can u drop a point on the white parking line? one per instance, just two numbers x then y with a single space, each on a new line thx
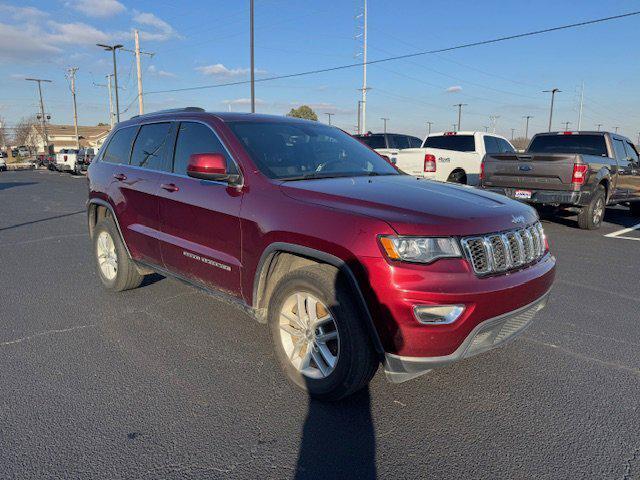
620 233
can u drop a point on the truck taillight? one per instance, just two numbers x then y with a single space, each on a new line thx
482 170
579 173
65 158
429 163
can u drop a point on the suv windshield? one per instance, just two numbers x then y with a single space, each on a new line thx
457 143
578 144
296 150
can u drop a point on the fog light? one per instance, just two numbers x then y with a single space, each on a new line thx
437 314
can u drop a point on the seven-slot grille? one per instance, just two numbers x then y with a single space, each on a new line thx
500 252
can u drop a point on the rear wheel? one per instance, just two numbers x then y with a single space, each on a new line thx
590 216
115 269
318 335
635 208
457 176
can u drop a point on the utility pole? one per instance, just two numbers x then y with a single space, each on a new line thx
526 128
429 128
615 129
108 86
566 126
455 127
580 111
113 48
460 105
494 122
385 124
553 92
42 117
638 142
360 132
599 125
139 68
513 130
251 52
364 70
72 76
329 115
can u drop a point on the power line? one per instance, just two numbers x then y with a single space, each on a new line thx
409 55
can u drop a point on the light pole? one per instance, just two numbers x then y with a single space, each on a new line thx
385 124
72 76
329 115
42 117
566 126
460 105
553 92
615 129
526 128
486 129
253 70
455 127
513 130
599 125
429 128
112 49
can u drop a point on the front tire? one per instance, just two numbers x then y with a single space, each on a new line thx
318 334
115 269
590 216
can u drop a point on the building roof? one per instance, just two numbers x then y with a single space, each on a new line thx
90 133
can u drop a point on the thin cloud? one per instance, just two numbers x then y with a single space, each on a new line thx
219 70
160 30
156 72
97 8
454 89
243 101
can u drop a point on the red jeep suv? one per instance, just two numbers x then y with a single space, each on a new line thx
350 262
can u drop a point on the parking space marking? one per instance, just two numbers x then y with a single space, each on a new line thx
620 233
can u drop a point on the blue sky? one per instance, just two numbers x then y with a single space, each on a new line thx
206 42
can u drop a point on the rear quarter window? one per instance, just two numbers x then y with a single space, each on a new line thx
119 148
456 143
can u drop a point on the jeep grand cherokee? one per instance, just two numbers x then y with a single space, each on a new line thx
349 262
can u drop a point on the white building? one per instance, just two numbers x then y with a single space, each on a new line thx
63 136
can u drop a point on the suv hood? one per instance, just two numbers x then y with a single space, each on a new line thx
416 206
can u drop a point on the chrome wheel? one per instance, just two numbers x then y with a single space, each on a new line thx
309 335
598 211
107 258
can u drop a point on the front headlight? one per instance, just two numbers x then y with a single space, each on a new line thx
419 249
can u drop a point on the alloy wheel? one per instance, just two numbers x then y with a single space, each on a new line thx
598 211
107 257
309 335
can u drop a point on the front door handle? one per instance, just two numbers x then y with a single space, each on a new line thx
169 187
120 177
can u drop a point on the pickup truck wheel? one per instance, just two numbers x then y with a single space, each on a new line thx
457 176
635 209
318 335
115 269
590 216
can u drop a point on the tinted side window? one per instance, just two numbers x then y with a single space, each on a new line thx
457 143
631 152
414 142
373 141
618 146
197 138
491 145
400 141
119 148
148 150
504 146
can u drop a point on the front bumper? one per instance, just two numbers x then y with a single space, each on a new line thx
559 197
485 336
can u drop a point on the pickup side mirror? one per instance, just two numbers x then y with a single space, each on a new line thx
210 166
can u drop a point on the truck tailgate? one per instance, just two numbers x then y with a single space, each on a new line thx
536 172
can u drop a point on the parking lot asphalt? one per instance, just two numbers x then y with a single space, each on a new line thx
167 382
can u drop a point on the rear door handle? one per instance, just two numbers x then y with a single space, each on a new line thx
169 187
120 177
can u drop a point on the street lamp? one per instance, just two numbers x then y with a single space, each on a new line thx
553 92
113 48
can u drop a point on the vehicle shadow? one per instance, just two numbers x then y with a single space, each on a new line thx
617 216
151 279
7 185
338 440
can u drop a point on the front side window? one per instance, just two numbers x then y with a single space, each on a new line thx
119 148
290 150
504 146
197 138
456 143
415 142
618 147
631 152
400 141
148 150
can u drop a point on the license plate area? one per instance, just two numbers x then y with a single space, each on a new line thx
522 194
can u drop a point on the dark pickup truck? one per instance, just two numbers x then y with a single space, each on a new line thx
584 171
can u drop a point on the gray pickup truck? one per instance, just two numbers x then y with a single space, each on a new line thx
583 171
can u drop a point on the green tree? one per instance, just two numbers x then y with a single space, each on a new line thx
303 111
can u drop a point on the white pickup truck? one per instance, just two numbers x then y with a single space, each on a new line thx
452 156
66 160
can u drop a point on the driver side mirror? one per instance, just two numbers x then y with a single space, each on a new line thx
210 166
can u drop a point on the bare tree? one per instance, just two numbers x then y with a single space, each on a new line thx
22 130
3 134
520 143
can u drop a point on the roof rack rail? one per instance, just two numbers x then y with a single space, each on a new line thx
172 110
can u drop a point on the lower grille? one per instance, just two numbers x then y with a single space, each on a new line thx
503 251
